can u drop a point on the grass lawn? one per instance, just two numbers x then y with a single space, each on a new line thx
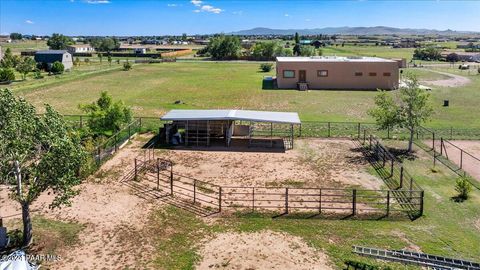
26 45
152 90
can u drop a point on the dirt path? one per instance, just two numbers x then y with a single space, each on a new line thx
260 250
453 81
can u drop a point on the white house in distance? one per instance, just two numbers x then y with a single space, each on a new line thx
80 48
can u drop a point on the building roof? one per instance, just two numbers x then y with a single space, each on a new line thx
244 115
333 59
51 52
80 46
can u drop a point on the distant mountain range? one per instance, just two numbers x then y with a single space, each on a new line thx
375 30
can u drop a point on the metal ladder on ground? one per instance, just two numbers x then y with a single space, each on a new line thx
422 259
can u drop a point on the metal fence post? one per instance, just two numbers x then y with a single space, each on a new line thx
135 160
388 203
158 174
300 131
421 202
329 129
401 177
253 199
354 202
171 180
220 199
194 191
286 200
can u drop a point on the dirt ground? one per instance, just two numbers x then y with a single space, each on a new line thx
453 81
312 163
470 163
113 213
260 250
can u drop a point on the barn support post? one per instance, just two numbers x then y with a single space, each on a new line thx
354 202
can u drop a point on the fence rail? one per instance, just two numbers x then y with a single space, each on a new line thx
159 174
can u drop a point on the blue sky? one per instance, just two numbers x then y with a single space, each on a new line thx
160 17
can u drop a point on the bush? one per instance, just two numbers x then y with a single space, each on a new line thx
266 67
57 68
38 74
127 66
463 187
7 75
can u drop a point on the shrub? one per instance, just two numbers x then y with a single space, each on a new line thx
266 67
127 66
463 187
57 68
7 75
38 74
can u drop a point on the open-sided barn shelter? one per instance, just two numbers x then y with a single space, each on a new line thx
214 127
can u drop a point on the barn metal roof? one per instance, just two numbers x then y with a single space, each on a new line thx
244 115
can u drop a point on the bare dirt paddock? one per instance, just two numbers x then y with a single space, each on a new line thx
319 163
468 159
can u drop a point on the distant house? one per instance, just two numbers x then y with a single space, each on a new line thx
331 72
5 38
80 48
48 57
140 50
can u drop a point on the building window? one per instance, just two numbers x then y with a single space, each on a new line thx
373 74
288 74
387 74
358 74
322 73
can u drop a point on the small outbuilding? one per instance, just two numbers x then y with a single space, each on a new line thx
80 48
224 127
48 57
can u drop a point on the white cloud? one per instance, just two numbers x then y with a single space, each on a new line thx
29 22
211 9
196 2
171 5
98 1
197 10
286 15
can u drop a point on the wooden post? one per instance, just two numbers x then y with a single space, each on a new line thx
401 177
433 142
388 132
194 191
171 180
421 202
388 203
320 201
220 199
329 129
461 158
135 160
364 135
354 202
300 131
253 199
286 200
358 130
441 145
158 174
391 168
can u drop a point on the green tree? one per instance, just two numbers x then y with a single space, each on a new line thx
57 68
39 154
59 42
409 110
106 44
427 54
109 59
9 60
307 51
224 47
264 50
26 66
107 116
127 66
100 56
297 38
7 75
16 36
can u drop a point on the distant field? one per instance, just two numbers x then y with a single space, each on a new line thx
377 51
152 90
17 47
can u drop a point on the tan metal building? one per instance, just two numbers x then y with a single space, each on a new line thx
333 72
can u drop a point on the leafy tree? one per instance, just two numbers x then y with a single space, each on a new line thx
109 59
16 36
38 74
127 66
100 56
105 44
428 54
39 154
463 187
184 37
7 75
307 51
9 60
409 110
224 47
26 66
297 38
297 49
453 57
264 50
59 42
266 67
76 62
57 68
107 116
86 60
